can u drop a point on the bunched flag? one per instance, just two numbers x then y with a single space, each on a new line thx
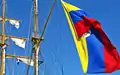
28 61
19 42
13 22
96 52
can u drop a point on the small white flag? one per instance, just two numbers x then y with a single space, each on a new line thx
27 61
15 23
19 42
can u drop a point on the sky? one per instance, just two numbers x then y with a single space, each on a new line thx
58 49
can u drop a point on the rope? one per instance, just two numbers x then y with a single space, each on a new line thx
45 25
29 32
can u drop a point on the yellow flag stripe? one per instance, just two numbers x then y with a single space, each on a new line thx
70 7
80 44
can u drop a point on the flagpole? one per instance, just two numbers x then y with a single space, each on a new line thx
3 38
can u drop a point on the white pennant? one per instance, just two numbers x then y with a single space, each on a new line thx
27 61
19 42
15 23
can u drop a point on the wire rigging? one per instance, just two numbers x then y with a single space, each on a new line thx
46 22
29 36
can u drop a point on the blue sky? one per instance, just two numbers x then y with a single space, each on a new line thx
58 49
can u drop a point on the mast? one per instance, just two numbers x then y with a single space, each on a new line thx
3 38
35 18
35 40
3 44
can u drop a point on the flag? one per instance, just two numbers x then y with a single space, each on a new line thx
19 42
12 22
15 23
96 52
28 61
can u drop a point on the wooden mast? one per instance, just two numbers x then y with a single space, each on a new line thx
35 39
2 44
3 38
35 18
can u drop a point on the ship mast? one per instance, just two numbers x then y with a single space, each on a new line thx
35 18
2 43
3 38
35 39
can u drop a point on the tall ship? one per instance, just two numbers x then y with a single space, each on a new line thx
28 41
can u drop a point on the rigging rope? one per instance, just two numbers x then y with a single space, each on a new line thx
29 32
45 25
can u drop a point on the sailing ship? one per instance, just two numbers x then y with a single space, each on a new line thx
32 58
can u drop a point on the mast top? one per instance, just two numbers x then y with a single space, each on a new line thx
35 18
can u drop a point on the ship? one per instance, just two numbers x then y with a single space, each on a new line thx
30 41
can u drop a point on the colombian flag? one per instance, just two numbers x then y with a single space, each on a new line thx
96 52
